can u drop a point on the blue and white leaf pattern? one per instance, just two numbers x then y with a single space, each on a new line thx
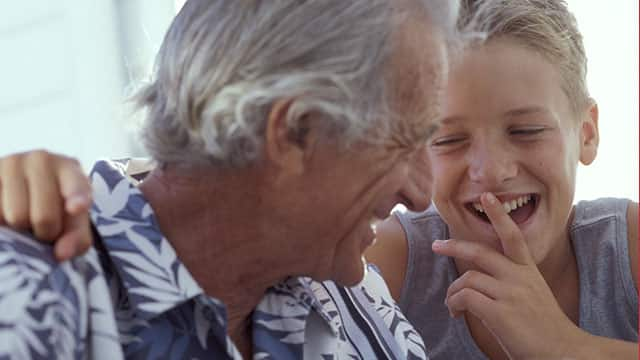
45 311
132 297
378 294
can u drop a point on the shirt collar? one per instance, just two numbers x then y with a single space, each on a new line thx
154 279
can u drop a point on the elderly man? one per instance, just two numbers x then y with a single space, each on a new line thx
279 131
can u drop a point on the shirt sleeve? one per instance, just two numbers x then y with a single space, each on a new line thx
44 305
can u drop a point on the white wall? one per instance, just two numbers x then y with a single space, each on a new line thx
610 30
63 73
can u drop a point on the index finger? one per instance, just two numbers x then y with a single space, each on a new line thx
510 236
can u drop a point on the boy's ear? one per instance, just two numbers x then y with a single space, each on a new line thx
589 135
284 148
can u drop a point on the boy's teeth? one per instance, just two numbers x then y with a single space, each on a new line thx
508 206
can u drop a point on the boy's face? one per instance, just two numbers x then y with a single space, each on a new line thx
509 129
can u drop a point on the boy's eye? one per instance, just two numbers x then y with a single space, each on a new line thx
449 140
530 130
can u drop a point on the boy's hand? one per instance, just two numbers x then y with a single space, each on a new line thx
49 195
509 294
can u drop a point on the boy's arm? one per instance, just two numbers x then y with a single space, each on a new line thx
389 254
632 232
598 347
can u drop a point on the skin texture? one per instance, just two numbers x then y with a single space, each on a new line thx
509 130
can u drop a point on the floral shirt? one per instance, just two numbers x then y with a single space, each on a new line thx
131 297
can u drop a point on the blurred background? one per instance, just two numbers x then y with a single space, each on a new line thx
67 66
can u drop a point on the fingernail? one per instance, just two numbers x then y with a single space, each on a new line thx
77 201
438 244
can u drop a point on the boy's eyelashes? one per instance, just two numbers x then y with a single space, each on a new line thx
447 140
527 130
521 131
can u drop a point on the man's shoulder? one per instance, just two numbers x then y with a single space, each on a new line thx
24 261
34 261
46 304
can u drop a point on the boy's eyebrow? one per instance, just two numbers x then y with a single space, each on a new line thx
526 111
450 120
521 111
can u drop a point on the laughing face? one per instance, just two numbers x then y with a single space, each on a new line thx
330 208
509 129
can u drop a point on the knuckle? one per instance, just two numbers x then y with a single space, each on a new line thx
35 161
10 163
465 295
37 156
40 153
17 218
69 162
471 276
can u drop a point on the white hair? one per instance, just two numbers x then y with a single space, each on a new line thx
223 64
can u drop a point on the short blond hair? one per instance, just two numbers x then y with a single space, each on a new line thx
544 26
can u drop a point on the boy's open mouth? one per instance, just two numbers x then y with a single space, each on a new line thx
520 209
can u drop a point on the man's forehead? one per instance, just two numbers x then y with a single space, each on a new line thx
418 72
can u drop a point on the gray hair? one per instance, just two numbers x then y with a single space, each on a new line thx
223 64
544 26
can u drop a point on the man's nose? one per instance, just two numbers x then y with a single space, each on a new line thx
491 164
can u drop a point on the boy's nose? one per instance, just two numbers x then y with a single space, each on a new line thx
491 165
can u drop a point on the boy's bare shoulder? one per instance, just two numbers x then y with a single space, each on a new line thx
389 254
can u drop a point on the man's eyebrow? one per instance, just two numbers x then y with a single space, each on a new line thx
526 110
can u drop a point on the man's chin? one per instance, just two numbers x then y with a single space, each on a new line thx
353 276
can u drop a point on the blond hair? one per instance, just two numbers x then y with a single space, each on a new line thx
544 26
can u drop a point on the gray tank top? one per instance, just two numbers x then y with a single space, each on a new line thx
608 295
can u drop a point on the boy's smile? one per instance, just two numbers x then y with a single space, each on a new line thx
520 207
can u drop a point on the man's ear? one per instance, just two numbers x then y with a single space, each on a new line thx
589 135
285 148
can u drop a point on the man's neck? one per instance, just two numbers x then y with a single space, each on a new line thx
219 229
